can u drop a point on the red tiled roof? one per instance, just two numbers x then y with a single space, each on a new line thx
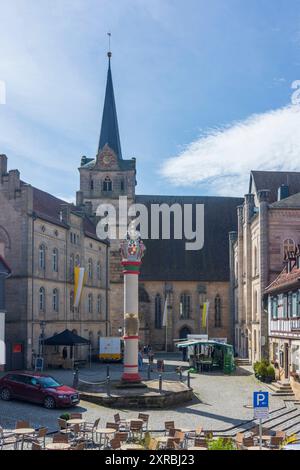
285 280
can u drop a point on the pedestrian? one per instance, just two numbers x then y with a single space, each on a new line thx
140 360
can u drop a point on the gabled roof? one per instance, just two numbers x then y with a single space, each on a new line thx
109 129
48 207
168 260
272 180
291 202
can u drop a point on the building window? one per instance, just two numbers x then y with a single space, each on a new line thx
288 245
90 268
98 271
185 306
77 261
55 260
42 299
158 312
92 185
274 307
99 304
42 257
90 303
290 305
55 300
255 261
255 302
107 184
72 301
122 185
285 306
218 322
294 310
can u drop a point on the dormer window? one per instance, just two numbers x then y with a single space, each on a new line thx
107 184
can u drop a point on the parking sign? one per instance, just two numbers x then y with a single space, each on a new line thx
261 404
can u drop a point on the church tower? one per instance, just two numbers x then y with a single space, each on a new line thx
102 181
108 176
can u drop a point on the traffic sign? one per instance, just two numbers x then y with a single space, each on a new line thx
261 400
261 405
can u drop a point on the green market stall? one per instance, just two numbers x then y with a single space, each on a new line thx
209 355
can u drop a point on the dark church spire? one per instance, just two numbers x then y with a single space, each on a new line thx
109 129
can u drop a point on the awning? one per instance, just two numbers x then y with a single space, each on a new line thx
194 342
66 338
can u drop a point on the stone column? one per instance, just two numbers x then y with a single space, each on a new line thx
263 198
240 287
233 320
132 250
248 214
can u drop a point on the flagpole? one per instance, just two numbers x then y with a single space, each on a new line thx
166 307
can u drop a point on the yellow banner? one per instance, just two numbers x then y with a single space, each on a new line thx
205 314
79 277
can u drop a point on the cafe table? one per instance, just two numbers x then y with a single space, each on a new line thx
256 448
197 448
104 432
22 432
75 421
131 447
58 446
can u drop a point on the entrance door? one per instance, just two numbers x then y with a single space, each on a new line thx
286 360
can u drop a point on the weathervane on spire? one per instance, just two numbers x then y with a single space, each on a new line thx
109 54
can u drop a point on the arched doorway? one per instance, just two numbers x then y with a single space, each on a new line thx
184 331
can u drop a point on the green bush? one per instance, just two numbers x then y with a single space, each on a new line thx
262 370
65 416
255 366
221 444
266 362
271 372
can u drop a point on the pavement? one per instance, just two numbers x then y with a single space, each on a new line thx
221 401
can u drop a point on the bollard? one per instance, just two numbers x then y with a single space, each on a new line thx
76 378
189 379
108 385
107 371
149 372
160 383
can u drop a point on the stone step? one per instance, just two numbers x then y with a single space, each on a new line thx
280 422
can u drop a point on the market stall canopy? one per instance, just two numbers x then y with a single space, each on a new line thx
66 338
193 342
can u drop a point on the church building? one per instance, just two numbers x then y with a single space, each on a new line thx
186 279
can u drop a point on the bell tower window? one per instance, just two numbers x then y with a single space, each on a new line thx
107 184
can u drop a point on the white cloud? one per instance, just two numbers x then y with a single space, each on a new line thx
222 158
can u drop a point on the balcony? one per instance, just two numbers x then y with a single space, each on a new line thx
285 325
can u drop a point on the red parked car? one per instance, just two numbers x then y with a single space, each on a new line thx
37 388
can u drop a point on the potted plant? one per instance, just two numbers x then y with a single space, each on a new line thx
65 416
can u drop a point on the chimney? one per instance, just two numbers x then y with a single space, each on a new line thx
79 198
88 208
64 214
283 192
3 165
13 183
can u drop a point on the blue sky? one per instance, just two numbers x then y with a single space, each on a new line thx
203 89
